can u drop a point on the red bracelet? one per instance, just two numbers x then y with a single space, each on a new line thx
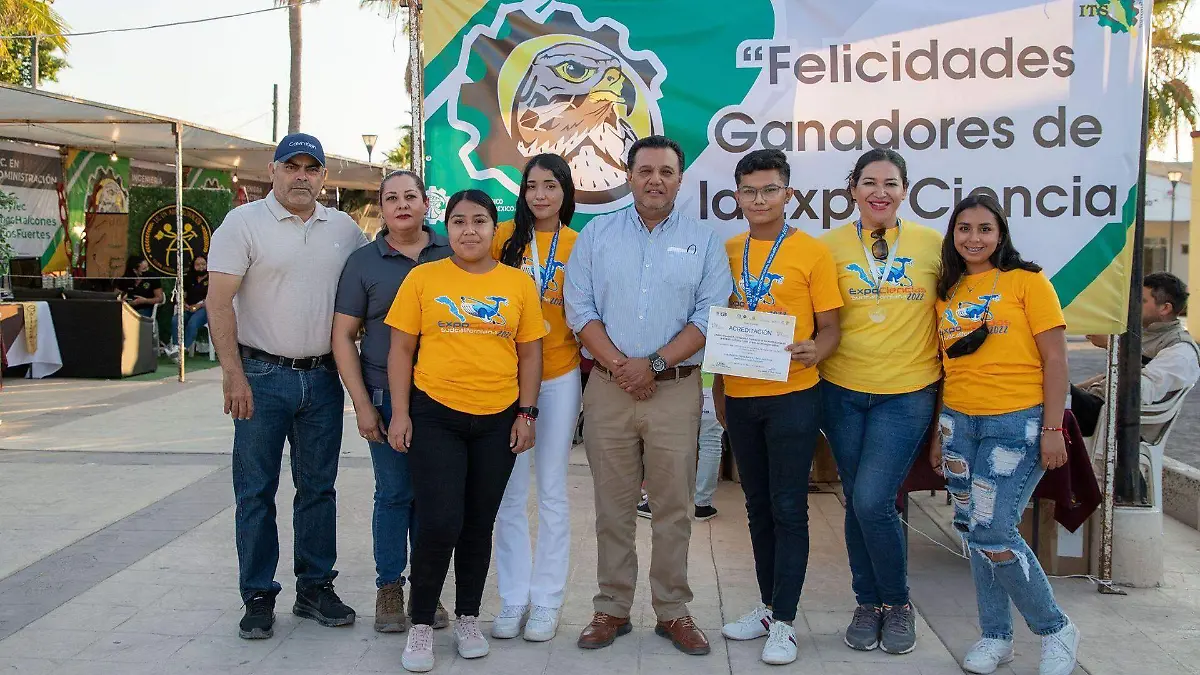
527 417
1058 429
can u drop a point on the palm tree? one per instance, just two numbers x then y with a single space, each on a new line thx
1172 55
401 155
29 17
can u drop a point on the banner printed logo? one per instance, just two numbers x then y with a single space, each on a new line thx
160 243
1118 16
557 83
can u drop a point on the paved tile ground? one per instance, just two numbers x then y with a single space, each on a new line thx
116 556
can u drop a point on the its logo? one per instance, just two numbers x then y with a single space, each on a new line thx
161 245
978 310
488 312
898 275
760 287
107 193
548 271
551 81
437 205
1118 16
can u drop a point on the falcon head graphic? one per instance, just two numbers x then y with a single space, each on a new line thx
574 101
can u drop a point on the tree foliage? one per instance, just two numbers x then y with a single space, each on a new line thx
31 17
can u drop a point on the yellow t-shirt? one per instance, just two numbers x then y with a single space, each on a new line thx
900 353
560 349
801 281
1005 374
468 325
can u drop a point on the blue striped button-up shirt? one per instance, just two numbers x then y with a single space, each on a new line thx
646 286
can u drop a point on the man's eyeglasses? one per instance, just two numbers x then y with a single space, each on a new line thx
769 192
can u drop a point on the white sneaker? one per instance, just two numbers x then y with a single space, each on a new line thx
418 653
508 624
781 645
1059 651
755 624
469 639
987 655
542 624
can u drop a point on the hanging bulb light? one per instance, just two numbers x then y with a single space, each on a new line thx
113 157
235 178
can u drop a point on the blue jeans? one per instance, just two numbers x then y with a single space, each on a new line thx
875 439
773 439
992 465
193 322
708 468
393 519
305 409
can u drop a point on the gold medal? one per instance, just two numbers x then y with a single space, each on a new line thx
878 314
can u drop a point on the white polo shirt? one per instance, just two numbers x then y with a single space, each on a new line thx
290 270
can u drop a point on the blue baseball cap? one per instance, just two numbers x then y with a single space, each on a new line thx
299 144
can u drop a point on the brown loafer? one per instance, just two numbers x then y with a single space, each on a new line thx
603 631
685 635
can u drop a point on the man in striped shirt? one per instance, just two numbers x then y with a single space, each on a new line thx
638 289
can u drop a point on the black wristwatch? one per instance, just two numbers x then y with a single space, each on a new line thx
530 411
657 363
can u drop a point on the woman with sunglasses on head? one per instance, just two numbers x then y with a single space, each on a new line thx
879 389
538 241
463 408
368 286
1004 347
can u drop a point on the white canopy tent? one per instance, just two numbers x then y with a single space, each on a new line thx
36 116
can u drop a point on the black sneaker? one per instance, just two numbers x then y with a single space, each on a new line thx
322 604
705 512
899 634
259 621
643 508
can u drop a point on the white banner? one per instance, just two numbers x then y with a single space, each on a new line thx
33 223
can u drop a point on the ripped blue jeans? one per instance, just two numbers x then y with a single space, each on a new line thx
992 465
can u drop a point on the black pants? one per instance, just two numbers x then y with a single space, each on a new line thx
460 464
773 439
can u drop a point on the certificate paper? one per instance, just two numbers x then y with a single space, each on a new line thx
749 344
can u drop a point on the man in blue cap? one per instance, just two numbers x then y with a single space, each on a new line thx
274 266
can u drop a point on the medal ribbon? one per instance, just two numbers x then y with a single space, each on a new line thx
543 283
756 293
879 277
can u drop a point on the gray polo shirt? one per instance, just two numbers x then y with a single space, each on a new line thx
289 270
369 284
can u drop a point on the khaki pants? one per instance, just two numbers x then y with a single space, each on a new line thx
628 441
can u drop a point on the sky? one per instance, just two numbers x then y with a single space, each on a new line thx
219 74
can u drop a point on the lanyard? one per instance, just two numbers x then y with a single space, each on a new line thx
756 292
879 276
543 282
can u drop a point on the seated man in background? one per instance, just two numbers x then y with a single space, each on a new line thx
1170 358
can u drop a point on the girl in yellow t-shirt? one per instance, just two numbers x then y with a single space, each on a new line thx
463 411
538 241
879 389
1004 351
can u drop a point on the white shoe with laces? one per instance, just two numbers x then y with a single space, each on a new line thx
755 624
418 653
780 649
987 655
542 624
1059 651
469 639
509 622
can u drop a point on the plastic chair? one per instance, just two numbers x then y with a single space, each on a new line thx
1163 415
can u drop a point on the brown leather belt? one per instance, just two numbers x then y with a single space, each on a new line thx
670 374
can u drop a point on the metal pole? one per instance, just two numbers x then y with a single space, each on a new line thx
417 71
1171 232
35 66
177 128
275 113
1110 463
1129 490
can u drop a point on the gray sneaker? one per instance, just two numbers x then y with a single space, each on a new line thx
899 634
863 632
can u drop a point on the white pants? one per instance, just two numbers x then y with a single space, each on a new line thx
541 577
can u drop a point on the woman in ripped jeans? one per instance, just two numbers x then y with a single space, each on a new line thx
1003 345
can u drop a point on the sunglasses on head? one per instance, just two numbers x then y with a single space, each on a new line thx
969 343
